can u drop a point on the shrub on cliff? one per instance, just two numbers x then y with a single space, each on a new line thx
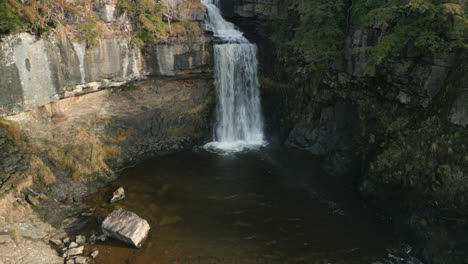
424 26
147 15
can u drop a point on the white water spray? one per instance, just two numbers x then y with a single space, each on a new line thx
239 121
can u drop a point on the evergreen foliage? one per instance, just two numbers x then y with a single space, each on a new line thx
148 19
419 27
424 26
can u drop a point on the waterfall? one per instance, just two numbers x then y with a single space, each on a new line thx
239 121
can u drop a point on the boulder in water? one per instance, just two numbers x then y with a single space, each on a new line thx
126 227
118 195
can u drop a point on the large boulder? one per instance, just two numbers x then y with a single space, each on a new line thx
127 227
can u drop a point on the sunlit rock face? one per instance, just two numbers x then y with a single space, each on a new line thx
40 71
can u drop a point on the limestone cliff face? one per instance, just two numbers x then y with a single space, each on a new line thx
36 71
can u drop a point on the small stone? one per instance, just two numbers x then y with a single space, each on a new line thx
56 241
81 260
73 245
118 195
33 200
127 227
92 239
70 261
80 239
66 240
102 238
75 251
94 253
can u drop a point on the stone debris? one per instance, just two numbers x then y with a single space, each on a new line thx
81 260
92 239
74 251
66 240
80 239
94 253
127 227
118 195
33 200
56 241
73 245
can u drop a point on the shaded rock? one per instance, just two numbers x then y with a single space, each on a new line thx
92 239
94 253
33 200
118 195
80 239
126 227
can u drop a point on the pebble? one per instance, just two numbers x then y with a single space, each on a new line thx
56 241
70 261
80 239
73 245
118 195
81 260
94 253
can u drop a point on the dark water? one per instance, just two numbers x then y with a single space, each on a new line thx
267 206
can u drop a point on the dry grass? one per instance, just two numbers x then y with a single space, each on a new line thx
14 133
83 160
45 174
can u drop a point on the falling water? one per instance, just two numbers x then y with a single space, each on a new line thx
239 121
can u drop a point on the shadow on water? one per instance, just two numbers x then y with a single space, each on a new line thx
273 205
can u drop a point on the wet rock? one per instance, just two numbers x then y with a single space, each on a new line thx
73 245
126 227
56 241
89 212
80 239
94 253
74 251
118 195
92 239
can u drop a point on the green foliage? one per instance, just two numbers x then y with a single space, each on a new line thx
148 18
422 26
318 34
90 31
10 20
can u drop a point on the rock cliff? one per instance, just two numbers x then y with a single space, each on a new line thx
399 136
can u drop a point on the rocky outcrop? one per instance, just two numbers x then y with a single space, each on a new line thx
399 136
40 70
126 227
